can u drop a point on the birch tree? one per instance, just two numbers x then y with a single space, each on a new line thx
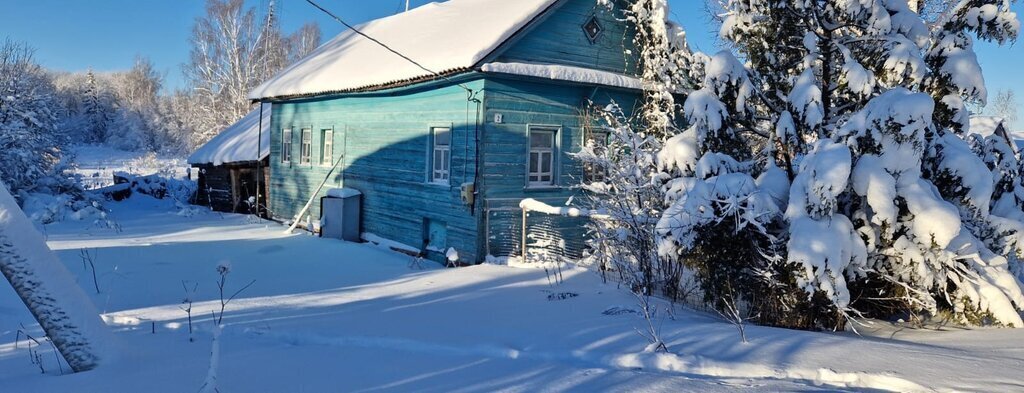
232 51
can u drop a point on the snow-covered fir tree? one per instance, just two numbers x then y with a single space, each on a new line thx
725 201
826 175
97 110
889 211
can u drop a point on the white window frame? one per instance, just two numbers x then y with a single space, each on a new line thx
286 146
327 147
538 177
592 173
306 147
440 168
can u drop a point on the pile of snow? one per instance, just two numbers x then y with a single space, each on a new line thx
95 165
388 244
156 186
240 142
443 37
49 208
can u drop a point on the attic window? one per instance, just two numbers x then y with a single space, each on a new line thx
593 29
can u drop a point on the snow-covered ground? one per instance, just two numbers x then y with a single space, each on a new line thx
325 315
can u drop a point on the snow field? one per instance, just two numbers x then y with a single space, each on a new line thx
326 315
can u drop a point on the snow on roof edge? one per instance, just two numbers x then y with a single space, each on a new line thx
566 73
985 125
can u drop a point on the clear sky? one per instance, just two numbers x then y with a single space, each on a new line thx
106 35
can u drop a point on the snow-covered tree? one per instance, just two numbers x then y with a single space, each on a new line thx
1005 106
48 290
864 104
726 194
30 145
627 190
625 241
232 51
97 109
303 42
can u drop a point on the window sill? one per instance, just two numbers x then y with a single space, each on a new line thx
439 184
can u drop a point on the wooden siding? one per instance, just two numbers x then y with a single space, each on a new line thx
217 191
523 103
383 141
559 39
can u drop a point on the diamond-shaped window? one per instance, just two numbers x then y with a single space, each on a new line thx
593 29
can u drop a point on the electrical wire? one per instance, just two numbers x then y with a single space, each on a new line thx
385 46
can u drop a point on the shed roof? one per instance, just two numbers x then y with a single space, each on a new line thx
447 38
985 125
237 143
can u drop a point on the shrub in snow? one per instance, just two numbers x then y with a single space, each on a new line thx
624 242
223 269
624 189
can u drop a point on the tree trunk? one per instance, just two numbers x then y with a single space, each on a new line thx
48 290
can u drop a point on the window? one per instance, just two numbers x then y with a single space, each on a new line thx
327 148
597 141
593 29
306 152
286 145
542 157
441 156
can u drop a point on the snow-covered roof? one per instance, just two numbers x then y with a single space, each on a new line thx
238 142
985 125
446 38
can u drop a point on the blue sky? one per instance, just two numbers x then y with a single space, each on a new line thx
106 35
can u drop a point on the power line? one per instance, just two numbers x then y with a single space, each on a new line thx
397 53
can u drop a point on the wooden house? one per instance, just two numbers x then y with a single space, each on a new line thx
228 165
986 126
483 111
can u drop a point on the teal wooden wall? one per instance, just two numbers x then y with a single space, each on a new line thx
522 103
383 138
384 142
559 39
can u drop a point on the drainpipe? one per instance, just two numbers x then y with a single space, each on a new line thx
259 161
